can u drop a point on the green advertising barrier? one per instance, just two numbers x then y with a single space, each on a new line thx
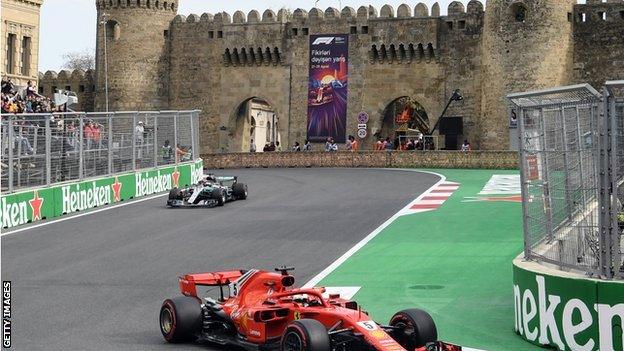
565 311
45 203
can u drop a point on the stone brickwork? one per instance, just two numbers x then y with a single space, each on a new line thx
215 63
369 159
78 81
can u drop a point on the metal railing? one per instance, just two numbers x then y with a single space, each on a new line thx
44 149
565 157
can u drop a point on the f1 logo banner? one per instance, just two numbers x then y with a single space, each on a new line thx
327 87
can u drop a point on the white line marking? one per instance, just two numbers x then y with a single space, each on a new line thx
431 202
78 214
332 267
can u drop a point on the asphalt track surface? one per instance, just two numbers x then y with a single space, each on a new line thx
97 282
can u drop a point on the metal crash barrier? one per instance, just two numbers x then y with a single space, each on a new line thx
45 149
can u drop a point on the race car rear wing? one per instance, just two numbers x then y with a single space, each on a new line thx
189 282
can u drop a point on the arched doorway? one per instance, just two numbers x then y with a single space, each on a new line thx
255 121
404 118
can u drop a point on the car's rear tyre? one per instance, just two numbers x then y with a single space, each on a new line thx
305 335
175 194
239 190
416 328
180 319
219 195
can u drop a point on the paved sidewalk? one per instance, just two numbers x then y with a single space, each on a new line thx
453 261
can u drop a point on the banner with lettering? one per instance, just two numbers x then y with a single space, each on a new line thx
45 203
327 87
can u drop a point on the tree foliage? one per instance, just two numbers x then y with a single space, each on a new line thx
84 60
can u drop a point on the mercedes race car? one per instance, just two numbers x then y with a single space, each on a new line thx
211 190
259 310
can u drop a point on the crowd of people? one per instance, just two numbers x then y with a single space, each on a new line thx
26 100
353 145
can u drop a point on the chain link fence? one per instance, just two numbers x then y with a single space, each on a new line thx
614 150
43 149
565 158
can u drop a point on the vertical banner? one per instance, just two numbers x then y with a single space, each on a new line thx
327 87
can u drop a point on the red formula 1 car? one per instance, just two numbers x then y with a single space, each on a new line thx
261 311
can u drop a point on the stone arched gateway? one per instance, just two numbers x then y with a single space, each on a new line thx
402 119
255 120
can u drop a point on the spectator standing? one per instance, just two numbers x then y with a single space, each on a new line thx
348 144
379 145
354 144
139 132
97 134
328 144
88 134
278 148
166 152
180 153
296 147
30 90
252 146
388 145
307 146
466 146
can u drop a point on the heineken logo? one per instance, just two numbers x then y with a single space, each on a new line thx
80 197
14 213
550 320
197 173
147 185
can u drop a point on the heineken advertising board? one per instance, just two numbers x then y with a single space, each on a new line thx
33 205
568 313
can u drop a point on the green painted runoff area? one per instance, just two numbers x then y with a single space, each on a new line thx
455 262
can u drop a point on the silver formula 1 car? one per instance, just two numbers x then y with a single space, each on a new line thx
210 191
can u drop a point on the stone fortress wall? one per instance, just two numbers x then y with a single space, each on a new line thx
215 63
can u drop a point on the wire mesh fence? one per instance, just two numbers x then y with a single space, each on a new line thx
614 107
43 149
565 158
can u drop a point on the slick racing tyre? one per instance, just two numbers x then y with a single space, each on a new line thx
175 194
180 319
219 195
305 335
415 328
239 190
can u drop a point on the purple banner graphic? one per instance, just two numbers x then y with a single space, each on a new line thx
327 87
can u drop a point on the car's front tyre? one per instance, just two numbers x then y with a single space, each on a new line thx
305 335
180 319
219 195
414 328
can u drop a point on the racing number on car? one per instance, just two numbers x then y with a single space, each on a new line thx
368 325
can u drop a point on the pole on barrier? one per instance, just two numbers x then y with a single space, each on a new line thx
81 147
110 144
175 136
156 139
193 150
11 145
134 137
48 151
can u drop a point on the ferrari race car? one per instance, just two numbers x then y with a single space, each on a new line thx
211 190
259 310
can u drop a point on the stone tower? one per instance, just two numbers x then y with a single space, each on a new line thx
527 45
136 34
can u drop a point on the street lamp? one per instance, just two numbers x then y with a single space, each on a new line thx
105 24
457 96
